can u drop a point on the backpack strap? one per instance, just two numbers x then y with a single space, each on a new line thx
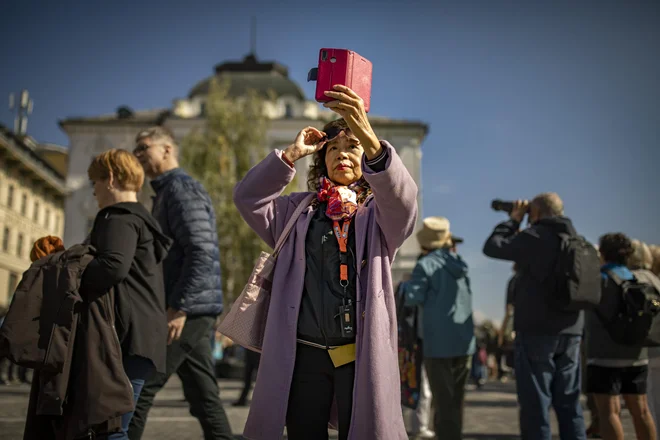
614 277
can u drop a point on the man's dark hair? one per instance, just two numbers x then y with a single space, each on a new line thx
318 169
615 248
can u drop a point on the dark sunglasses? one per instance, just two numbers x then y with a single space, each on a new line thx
332 133
141 148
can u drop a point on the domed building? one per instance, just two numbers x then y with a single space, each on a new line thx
289 110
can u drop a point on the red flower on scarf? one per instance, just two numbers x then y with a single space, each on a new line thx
342 200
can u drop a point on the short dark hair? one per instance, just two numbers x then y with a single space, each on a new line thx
615 248
318 169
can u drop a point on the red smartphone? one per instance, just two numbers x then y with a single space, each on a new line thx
344 67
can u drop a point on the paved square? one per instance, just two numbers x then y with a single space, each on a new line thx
490 413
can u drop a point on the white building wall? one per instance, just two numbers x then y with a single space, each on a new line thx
88 140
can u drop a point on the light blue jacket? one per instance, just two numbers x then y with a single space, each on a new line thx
440 284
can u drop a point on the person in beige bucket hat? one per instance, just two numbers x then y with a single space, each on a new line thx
435 233
440 285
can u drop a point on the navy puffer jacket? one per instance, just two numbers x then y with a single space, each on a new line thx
192 268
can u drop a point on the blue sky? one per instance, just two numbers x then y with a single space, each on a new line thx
521 96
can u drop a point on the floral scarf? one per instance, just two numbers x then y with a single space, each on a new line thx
342 200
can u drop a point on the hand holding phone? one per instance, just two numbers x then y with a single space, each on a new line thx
342 67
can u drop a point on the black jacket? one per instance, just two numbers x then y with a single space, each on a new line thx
318 320
535 251
185 213
130 248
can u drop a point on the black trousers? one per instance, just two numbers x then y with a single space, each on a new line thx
192 359
447 378
315 383
251 364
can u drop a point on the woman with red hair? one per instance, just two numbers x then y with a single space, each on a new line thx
46 246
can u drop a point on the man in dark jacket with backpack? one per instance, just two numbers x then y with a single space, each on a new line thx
192 284
547 346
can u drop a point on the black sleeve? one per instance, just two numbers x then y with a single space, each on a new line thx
506 243
378 163
115 241
511 290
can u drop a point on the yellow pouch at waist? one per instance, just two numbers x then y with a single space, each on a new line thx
342 355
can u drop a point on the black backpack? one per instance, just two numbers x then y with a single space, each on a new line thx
636 321
577 274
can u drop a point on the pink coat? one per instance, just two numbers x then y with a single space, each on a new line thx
384 221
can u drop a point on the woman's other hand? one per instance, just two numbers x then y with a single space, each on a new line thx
308 141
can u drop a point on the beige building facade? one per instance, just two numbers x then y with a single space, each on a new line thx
32 197
288 112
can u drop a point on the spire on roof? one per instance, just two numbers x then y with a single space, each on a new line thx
253 37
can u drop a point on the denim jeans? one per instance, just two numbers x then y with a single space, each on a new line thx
137 369
548 374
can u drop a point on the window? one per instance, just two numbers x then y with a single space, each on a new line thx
47 218
10 196
19 245
5 240
35 214
57 224
24 204
288 111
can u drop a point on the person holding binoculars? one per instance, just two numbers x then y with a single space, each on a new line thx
548 337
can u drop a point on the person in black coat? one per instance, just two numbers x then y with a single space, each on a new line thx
130 249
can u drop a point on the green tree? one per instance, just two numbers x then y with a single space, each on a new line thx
219 154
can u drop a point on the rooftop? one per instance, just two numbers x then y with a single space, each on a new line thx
25 149
250 74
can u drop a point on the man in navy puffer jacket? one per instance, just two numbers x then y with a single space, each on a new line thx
192 284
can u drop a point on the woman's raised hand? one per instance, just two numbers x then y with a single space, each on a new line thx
307 142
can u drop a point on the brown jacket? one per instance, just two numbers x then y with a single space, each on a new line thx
81 387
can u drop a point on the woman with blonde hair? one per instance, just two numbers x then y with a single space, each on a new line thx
642 258
655 253
129 248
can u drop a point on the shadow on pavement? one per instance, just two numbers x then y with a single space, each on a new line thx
468 436
490 403
508 388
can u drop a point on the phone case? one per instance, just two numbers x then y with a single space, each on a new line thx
345 67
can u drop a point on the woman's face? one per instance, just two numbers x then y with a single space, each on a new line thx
103 193
343 159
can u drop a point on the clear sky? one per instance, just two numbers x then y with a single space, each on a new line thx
521 96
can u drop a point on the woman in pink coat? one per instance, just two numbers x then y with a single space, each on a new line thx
330 346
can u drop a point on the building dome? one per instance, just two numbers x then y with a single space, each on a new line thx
251 74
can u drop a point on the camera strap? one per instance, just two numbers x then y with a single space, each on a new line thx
346 314
342 239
